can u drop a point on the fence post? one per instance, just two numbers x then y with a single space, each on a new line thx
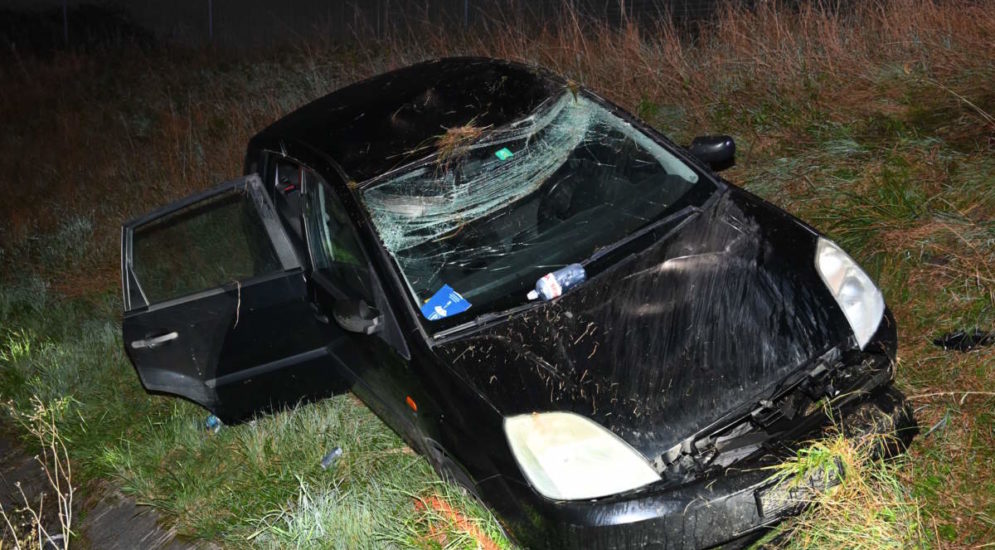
466 13
210 20
65 22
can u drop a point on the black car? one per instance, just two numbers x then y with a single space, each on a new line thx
388 240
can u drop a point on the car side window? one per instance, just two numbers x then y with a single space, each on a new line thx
334 244
202 246
284 179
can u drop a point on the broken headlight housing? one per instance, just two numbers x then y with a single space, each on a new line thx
854 291
566 456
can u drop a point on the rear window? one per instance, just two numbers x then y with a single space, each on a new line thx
214 242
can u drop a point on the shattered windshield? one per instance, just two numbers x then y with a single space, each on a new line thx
495 209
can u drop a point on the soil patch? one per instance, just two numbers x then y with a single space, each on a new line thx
106 517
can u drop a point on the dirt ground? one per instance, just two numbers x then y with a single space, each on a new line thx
102 516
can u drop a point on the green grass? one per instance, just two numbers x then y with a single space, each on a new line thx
868 505
259 482
917 213
876 130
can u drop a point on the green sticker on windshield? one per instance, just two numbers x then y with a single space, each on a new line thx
503 153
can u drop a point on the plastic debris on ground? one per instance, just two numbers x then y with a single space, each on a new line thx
329 459
968 340
212 424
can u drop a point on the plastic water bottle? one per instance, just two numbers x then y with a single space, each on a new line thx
329 459
553 285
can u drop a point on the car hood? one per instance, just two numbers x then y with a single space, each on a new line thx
671 339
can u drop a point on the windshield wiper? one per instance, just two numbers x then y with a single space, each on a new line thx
678 219
684 215
483 319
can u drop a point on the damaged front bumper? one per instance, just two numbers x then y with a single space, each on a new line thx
732 509
716 487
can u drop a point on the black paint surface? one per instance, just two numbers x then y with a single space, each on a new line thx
711 316
706 340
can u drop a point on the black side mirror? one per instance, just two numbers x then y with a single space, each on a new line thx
719 152
357 316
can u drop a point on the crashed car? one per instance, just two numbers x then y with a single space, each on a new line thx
390 239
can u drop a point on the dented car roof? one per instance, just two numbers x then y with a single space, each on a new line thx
704 341
386 121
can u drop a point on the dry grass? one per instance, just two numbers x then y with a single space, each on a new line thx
745 57
46 525
874 122
108 151
455 143
441 519
868 508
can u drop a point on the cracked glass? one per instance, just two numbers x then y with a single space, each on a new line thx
495 209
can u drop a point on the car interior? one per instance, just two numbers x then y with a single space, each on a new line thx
284 181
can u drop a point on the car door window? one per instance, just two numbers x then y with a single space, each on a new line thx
228 322
208 244
284 180
334 245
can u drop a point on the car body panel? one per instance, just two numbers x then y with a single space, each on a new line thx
240 348
685 334
386 121
673 337
730 509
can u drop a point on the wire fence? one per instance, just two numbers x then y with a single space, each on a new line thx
237 21
240 23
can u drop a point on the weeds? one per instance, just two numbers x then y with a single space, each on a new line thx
872 121
853 498
16 346
445 516
41 422
455 143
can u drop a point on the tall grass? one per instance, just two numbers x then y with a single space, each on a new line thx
98 138
258 483
872 120
865 506
49 524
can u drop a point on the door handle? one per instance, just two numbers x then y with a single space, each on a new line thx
154 342
321 317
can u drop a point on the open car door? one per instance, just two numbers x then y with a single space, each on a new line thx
217 309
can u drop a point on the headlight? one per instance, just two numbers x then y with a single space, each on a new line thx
567 457
857 296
